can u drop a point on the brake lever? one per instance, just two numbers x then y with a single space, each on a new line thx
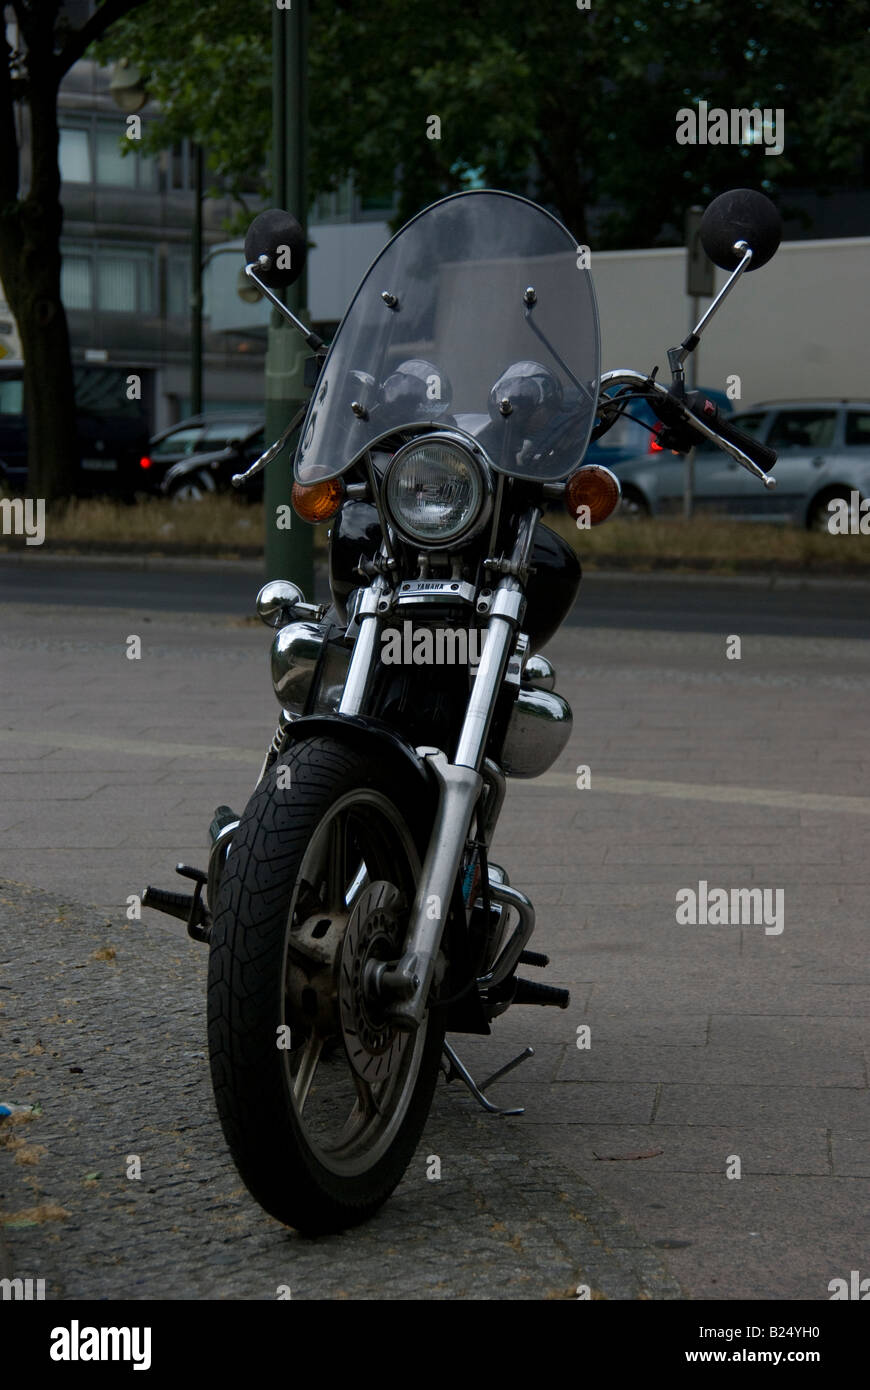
273 450
727 448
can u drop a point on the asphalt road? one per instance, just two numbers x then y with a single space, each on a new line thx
689 603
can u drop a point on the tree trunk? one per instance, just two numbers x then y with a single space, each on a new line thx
30 228
52 450
32 283
30 270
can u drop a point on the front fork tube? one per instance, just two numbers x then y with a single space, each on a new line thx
365 651
404 989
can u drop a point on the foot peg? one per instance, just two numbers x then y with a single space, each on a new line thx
457 1069
187 907
534 958
530 992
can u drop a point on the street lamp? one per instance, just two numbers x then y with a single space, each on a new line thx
127 87
247 290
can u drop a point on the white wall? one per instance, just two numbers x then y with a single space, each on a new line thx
799 326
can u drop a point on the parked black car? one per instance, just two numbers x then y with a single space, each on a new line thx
112 431
199 455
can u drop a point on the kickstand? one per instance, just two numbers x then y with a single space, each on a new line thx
457 1069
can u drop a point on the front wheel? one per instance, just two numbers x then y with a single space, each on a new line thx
321 1100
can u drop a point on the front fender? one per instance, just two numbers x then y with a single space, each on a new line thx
367 734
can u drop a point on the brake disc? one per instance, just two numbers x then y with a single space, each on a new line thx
374 1046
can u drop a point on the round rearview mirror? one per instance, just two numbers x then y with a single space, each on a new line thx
278 236
742 214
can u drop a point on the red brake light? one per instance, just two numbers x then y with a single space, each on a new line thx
145 461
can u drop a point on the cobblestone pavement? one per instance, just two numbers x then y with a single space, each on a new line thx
123 1072
708 1043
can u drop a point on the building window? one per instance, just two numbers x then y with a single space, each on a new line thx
125 282
112 279
77 282
86 150
11 396
118 169
178 287
182 177
75 156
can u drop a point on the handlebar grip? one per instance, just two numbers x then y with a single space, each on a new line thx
708 411
759 453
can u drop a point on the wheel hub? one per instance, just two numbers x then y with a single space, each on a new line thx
374 1046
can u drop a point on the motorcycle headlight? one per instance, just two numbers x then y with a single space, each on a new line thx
437 490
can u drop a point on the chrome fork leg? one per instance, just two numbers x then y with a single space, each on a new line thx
407 984
404 989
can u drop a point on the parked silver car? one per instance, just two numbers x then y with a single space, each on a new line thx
824 452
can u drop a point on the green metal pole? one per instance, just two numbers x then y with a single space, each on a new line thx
289 541
196 286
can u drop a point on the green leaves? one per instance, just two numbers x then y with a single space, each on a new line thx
576 108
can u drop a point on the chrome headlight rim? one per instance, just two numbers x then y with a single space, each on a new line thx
478 462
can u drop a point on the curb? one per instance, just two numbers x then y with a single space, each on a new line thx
758 579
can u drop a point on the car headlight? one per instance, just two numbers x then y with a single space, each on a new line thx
438 489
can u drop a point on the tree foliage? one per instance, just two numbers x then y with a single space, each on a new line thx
575 107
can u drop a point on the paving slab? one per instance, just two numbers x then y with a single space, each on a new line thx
706 1042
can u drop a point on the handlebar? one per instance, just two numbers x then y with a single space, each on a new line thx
238 479
759 453
699 416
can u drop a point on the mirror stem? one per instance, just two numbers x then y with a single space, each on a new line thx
314 341
678 355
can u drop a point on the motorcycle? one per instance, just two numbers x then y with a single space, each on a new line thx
352 913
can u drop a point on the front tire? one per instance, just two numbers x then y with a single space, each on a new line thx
322 1104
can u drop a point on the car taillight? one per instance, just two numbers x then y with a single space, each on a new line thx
144 461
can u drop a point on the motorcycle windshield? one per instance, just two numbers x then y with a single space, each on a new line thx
479 315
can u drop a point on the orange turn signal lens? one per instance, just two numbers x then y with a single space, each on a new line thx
318 501
592 494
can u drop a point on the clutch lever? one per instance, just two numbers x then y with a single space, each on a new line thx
273 450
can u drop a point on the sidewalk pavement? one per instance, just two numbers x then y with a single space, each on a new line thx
708 1043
